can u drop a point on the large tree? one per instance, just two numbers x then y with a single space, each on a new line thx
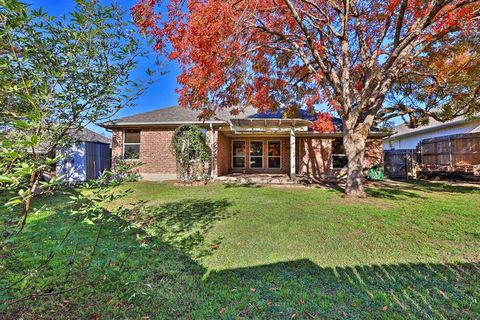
297 53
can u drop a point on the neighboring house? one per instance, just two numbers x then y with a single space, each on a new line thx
246 143
408 138
86 159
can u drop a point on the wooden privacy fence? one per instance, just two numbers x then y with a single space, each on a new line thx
458 154
400 164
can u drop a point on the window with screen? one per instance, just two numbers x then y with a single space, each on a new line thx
238 154
131 144
256 154
339 158
274 154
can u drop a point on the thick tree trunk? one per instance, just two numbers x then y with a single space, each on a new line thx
354 141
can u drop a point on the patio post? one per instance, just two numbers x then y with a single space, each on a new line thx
292 153
213 149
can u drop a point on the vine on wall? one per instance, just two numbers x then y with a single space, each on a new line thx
189 145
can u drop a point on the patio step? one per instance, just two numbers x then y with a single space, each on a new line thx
256 179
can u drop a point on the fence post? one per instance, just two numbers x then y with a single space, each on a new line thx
450 160
421 152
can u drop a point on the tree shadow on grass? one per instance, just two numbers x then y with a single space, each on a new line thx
392 193
415 189
183 223
449 187
242 185
127 278
303 289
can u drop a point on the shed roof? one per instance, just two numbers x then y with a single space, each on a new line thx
87 135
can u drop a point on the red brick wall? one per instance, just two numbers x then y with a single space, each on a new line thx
117 144
373 153
154 150
314 157
223 154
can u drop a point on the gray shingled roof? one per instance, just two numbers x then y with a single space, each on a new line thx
87 135
175 115
404 130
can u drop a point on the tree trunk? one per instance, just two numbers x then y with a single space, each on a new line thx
354 141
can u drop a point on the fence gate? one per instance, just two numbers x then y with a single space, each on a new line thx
400 164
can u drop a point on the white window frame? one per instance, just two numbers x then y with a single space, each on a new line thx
337 154
280 156
131 144
244 157
250 156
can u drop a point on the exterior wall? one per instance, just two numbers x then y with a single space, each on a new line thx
117 144
226 157
314 157
223 154
72 166
411 141
373 153
154 150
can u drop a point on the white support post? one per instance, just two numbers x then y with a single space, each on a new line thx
292 153
214 153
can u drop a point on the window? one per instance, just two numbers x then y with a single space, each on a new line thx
238 154
256 154
131 144
339 158
274 157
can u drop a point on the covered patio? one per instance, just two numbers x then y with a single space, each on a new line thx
257 150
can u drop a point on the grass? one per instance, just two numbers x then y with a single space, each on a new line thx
223 251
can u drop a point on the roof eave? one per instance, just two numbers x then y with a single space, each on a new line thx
110 125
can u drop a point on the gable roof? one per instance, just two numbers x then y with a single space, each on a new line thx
87 135
177 115
403 129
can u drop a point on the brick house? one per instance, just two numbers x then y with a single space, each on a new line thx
243 144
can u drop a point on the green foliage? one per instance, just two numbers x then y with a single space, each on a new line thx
191 151
56 76
69 71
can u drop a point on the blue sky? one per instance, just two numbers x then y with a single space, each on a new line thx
160 94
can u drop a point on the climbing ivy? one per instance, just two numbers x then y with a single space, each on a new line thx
189 145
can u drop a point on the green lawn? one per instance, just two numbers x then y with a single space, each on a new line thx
221 251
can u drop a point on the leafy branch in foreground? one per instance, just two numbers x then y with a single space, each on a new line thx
57 75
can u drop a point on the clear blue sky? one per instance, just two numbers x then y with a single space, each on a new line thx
160 94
